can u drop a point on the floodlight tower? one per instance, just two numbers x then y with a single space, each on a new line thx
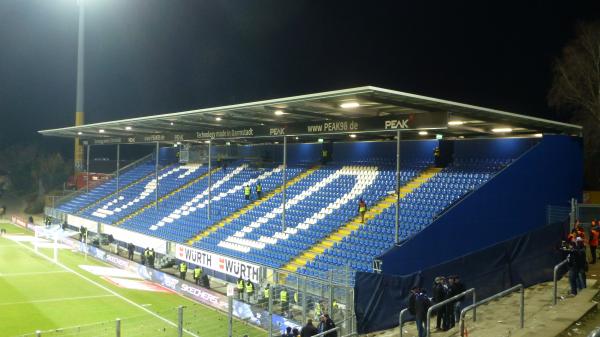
79 104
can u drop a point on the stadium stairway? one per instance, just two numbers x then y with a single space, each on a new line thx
250 206
170 194
355 224
114 194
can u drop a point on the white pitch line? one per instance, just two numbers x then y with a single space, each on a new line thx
58 299
108 289
33 273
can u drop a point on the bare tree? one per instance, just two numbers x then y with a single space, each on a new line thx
576 88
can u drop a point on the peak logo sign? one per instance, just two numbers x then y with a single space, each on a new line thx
219 263
397 124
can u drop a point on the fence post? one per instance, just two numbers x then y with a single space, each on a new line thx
555 290
522 307
38 333
330 309
474 309
400 320
180 321
304 295
230 316
271 294
118 327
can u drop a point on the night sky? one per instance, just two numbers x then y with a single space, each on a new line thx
145 57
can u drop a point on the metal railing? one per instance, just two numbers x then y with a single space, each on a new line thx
401 320
491 298
464 293
321 334
447 301
555 290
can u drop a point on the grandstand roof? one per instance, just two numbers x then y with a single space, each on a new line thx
367 110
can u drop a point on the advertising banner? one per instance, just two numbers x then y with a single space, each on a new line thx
218 263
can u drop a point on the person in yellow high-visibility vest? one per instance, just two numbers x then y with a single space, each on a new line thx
266 294
182 270
247 192
362 209
258 190
296 298
240 288
285 305
197 274
318 310
249 290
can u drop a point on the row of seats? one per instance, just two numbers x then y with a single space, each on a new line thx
186 214
107 188
315 207
144 192
417 210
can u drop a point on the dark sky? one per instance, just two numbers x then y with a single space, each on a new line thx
145 57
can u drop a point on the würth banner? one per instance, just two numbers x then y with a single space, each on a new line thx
218 263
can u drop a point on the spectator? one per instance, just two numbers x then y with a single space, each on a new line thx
362 209
288 332
411 300
295 332
151 257
309 329
326 325
130 250
439 295
594 233
449 307
573 263
205 281
457 288
582 263
422 304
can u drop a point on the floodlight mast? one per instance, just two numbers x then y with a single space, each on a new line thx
79 104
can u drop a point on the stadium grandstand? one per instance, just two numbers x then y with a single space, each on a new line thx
270 192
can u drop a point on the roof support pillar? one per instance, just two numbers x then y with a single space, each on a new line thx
156 177
209 177
397 223
87 169
118 167
284 183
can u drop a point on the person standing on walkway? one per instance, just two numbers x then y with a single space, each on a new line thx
182 270
439 295
422 304
247 192
258 190
594 233
362 209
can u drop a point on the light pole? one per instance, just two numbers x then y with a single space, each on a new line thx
79 104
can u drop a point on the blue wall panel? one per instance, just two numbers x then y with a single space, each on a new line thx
512 203
493 148
422 149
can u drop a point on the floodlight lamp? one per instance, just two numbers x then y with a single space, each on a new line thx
502 130
349 105
423 133
454 123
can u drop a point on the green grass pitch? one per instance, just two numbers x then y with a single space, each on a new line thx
37 294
